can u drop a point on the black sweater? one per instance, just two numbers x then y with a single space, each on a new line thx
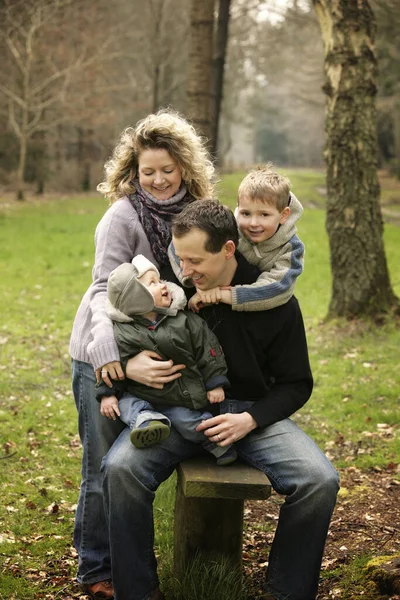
266 353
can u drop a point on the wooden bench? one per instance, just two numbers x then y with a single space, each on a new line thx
209 510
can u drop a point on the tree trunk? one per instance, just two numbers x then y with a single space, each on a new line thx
39 155
156 88
21 167
361 284
396 135
157 18
84 157
200 62
218 71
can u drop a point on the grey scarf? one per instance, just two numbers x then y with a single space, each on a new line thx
156 217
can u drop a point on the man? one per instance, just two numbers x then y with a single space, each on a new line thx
269 372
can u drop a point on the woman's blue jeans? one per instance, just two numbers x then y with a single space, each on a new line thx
97 436
296 468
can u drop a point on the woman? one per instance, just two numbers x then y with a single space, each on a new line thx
156 169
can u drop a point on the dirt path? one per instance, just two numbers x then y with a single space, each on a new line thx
366 521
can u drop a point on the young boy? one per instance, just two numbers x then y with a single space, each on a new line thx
266 215
147 315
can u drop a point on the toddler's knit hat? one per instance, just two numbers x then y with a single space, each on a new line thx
125 292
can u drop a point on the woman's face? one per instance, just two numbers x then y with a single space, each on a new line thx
159 174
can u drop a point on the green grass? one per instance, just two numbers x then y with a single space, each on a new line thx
46 256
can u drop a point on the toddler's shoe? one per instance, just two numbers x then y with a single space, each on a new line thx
224 456
149 433
227 458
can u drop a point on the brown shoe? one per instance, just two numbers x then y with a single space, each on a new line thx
157 595
99 590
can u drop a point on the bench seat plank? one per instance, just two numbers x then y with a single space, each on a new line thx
203 478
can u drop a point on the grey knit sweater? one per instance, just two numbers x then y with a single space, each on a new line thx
119 237
280 260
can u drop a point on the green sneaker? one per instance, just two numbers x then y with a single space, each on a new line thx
149 433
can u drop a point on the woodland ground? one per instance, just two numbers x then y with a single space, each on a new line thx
45 258
365 524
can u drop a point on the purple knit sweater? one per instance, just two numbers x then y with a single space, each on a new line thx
119 237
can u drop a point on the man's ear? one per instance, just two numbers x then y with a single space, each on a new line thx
284 215
229 248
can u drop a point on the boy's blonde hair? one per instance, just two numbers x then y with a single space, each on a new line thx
266 185
167 130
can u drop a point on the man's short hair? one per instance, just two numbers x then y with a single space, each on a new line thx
266 185
216 220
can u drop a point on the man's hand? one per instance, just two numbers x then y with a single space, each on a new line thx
216 395
112 370
148 368
109 407
228 428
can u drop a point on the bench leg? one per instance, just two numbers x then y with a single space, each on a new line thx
210 526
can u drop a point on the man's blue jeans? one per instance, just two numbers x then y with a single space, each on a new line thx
97 436
296 468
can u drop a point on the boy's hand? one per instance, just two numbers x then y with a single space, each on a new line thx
212 296
202 297
216 395
195 303
109 407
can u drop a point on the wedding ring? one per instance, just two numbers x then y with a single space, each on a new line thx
218 438
104 372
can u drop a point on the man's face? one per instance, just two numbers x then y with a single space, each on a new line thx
205 269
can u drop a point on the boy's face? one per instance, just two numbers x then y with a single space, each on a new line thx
205 269
258 220
157 288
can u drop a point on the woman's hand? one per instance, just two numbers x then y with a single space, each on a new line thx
227 428
148 368
112 370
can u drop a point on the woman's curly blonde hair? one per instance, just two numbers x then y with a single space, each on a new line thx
168 130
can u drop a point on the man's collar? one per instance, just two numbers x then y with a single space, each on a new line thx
245 272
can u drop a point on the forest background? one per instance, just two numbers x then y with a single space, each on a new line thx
75 73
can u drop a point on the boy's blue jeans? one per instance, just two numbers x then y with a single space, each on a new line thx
135 411
296 468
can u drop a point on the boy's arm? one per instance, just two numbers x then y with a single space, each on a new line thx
273 287
103 391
